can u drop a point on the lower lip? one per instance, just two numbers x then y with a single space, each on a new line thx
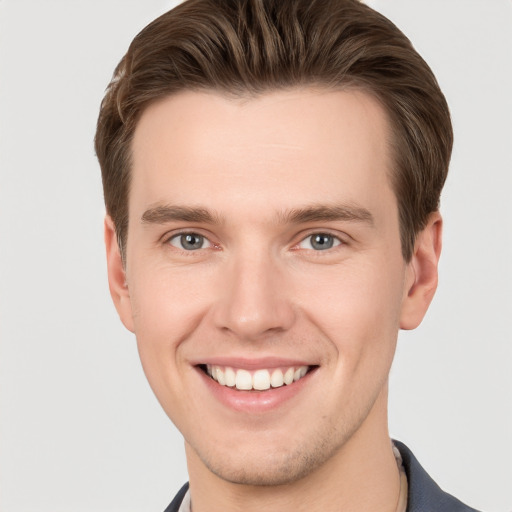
255 402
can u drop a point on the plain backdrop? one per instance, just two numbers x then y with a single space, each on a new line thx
80 429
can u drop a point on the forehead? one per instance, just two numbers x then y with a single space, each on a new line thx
272 151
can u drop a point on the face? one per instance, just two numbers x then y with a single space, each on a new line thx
264 277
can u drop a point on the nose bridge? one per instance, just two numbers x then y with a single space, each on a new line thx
253 301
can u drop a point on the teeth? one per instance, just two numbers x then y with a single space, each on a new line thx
260 380
230 377
277 379
288 376
220 376
243 380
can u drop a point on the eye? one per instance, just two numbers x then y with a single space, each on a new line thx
189 241
320 242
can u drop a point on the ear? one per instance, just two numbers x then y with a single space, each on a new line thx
117 276
421 274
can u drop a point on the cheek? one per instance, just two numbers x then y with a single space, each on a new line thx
167 301
167 307
356 306
166 311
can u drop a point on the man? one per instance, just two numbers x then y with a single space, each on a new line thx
272 172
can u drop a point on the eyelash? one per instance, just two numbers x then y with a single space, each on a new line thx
335 240
179 236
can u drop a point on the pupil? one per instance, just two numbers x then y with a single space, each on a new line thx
191 242
322 241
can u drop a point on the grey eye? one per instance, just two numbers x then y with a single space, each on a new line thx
189 241
320 242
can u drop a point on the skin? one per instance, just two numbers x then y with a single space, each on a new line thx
258 288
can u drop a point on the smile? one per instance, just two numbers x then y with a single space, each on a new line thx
259 379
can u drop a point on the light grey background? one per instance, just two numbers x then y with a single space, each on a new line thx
80 429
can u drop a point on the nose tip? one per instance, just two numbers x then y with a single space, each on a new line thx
253 324
253 302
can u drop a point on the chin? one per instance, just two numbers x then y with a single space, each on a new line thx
271 465
280 470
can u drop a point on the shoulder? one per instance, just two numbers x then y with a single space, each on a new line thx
424 495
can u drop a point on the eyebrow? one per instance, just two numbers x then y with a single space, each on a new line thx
162 214
317 213
167 213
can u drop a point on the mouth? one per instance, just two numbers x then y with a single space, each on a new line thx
259 379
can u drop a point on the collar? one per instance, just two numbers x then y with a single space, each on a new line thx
424 495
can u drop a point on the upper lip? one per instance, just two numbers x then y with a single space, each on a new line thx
252 363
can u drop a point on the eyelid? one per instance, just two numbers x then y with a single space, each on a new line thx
170 235
206 243
341 238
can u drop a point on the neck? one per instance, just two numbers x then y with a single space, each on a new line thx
361 476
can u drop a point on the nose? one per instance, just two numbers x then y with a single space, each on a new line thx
253 300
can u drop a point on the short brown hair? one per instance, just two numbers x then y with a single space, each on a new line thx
248 47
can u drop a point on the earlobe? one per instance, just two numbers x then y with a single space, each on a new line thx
422 273
117 277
